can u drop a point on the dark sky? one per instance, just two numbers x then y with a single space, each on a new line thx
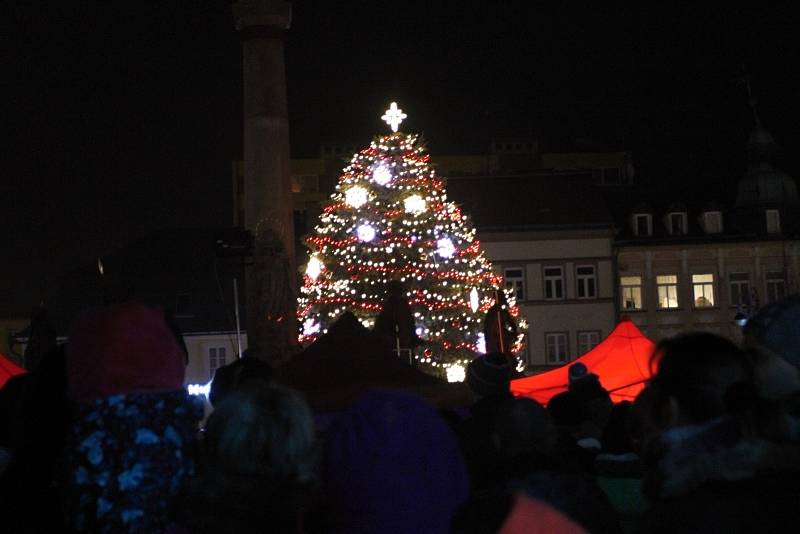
124 117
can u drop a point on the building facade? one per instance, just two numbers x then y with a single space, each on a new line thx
686 265
551 238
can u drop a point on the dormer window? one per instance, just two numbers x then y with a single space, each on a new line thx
676 223
773 221
642 224
712 222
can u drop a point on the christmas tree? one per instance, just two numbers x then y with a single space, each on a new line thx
389 224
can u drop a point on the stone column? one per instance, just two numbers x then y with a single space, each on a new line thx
272 280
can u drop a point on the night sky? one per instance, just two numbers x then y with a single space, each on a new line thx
124 118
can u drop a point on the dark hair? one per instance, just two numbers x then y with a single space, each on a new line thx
698 370
567 410
259 463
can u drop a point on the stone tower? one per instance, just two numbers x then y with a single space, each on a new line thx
271 281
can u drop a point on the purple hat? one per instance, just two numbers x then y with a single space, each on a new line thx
392 465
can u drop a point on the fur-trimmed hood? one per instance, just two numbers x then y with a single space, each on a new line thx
724 449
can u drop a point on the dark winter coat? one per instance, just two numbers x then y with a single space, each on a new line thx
718 477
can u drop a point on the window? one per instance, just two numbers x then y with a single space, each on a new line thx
556 344
553 283
515 281
773 221
587 341
642 224
631 292
587 282
183 305
703 286
677 223
712 222
305 183
776 286
740 288
216 359
667 285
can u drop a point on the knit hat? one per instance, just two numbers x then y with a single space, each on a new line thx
776 327
391 464
577 371
489 374
122 348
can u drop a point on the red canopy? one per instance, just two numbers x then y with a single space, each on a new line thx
8 369
622 361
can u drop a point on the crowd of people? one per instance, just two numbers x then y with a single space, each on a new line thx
103 437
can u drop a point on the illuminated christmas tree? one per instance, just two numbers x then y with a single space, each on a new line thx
388 225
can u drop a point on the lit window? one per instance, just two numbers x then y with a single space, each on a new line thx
515 281
556 344
703 286
587 341
631 287
712 222
553 283
216 359
677 223
667 285
773 221
642 224
776 286
740 288
587 282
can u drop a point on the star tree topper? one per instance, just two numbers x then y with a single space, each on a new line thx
394 116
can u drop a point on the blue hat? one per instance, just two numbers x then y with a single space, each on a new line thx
577 371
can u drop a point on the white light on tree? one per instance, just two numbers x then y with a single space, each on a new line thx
445 247
381 175
366 233
414 204
481 345
310 327
474 300
356 196
456 373
314 268
394 116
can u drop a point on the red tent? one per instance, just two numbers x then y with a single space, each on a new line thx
8 369
622 361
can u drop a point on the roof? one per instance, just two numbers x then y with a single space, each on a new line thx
739 223
621 361
531 201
